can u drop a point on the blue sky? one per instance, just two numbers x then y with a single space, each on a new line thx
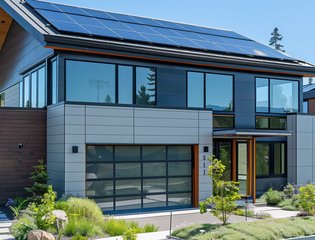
252 18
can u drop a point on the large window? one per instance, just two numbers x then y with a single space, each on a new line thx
223 121
217 88
97 82
277 96
138 177
270 159
33 89
277 123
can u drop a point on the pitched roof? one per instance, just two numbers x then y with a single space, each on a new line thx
57 25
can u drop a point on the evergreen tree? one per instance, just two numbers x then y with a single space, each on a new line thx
108 99
143 97
275 39
40 178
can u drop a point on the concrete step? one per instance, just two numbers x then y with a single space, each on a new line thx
6 237
4 230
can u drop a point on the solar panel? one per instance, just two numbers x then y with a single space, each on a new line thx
90 22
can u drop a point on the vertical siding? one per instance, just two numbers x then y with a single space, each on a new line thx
27 127
19 51
56 147
11 97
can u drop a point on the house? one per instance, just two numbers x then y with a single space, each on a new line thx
130 108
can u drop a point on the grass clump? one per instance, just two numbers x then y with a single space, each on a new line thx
116 227
273 197
290 204
264 229
148 227
83 227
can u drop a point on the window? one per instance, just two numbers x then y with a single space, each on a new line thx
90 82
2 101
223 121
97 82
54 82
277 96
33 89
262 95
195 85
217 87
125 84
145 86
137 177
305 107
284 96
270 159
277 123
219 92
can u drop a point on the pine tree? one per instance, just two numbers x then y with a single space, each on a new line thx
275 39
143 97
40 178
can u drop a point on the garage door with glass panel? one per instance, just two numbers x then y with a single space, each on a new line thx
122 178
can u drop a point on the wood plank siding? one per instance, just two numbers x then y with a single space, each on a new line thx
27 127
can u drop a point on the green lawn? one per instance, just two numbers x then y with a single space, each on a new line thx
263 229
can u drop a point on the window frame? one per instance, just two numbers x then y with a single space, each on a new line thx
30 92
116 65
223 115
269 118
205 90
272 160
269 98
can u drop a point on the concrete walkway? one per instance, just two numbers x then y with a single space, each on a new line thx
275 212
5 230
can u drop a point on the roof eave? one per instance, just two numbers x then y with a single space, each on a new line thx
108 47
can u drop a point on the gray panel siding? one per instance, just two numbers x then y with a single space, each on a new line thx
19 51
12 96
301 153
56 147
85 125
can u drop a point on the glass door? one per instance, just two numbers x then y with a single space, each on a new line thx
242 167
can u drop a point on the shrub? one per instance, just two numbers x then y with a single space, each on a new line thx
150 228
83 208
288 190
42 212
130 234
20 228
82 227
79 237
273 197
39 178
290 204
306 199
241 212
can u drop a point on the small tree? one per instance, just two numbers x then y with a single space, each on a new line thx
275 39
306 199
40 178
225 193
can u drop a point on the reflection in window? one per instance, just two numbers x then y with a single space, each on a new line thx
145 86
125 84
278 123
262 95
219 92
262 159
223 121
27 100
225 155
54 83
195 85
41 88
2 96
34 89
279 158
305 107
90 82
283 96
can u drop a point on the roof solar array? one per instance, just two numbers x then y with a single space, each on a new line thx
124 27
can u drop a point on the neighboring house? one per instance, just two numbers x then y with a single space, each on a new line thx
309 98
135 107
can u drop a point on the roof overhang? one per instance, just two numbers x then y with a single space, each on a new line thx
251 133
82 44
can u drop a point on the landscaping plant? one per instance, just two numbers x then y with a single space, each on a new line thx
130 234
225 193
273 197
306 199
20 228
39 178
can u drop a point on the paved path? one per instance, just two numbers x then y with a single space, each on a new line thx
275 212
5 230
180 219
